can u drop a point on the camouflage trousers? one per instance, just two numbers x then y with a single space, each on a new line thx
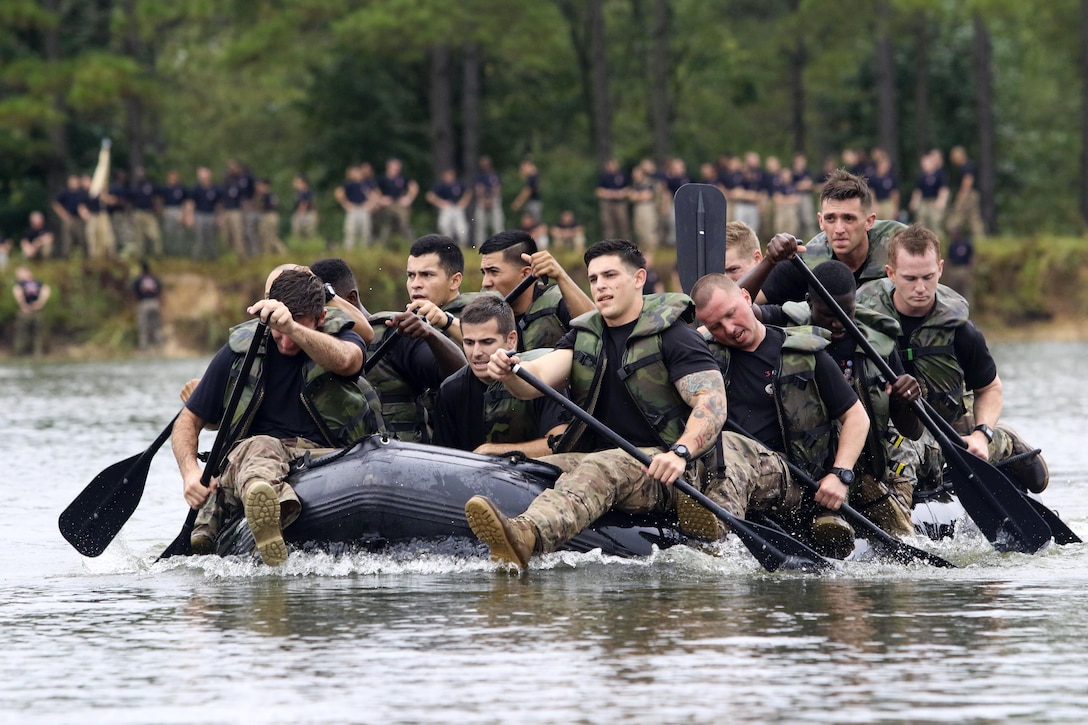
752 477
260 458
922 460
591 485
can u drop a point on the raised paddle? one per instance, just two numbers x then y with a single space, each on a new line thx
700 231
772 548
988 496
93 519
224 438
877 537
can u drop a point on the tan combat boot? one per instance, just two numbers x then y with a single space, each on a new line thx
832 536
511 540
263 516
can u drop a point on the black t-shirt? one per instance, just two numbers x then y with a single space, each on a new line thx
787 284
173 195
845 354
751 395
281 413
205 198
972 354
930 184
354 192
460 419
684 352
71 199
414 362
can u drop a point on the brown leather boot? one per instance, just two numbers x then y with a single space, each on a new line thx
511 540
262 508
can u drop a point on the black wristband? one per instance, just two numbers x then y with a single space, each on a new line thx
449 321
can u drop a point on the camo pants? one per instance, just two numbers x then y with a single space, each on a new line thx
751 477
921 461
260 458
591 485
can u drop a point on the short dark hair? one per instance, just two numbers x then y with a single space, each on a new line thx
450 257
301 291
487 307
915 240
512 243
836 278
841 185
336 272
625 250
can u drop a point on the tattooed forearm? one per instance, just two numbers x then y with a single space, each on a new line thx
705 393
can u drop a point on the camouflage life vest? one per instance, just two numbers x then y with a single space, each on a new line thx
802 416
344 410
642 369
540 326
818 251
930 349
868 382
405 409
506 418
457 304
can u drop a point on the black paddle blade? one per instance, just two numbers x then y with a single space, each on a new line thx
1062 533
700 231
995 505
99 512
183 544
888 546
772 548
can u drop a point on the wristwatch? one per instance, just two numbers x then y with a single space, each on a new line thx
329 292
845 475
682 451
986 431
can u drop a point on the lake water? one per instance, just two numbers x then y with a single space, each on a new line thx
424 636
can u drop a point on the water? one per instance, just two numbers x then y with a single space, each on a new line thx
423 635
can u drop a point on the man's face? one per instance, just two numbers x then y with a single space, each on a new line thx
499 275
285 344
480 341
729 318
847 225
823 316
616 290
737 264
427 280
915 280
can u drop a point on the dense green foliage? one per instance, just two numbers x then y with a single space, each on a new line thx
313 84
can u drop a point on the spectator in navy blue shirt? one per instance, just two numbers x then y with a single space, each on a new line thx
304 215
612 198
930 196
355 201
202 207
487 195
172 196
450 197
66 207
398 192
885 186
145 225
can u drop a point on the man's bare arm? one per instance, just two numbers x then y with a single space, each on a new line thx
553 369
705 393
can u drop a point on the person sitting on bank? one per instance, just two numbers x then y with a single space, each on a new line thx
786 392
476 412
544 311
305 393
30 297
948 354
653 366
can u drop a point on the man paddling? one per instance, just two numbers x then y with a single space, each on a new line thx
304 393
948 354
786 391
632 361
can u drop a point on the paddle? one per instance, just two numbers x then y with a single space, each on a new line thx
990 499
224 438
1058 528
773 549
877 537
700 231
99 512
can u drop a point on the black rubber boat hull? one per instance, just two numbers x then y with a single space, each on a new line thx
389 492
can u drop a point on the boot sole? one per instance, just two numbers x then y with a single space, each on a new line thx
696 520
833 540
263 515
483 519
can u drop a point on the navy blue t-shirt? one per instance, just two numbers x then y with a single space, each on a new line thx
205 198
142 195
883 186
354 192
930 184
172 195
71 200
449 192
393 186
613 182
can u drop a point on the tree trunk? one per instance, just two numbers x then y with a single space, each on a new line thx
887 126
660 107
1084 110
987 166
602 101
470 111
922 138
59 161
441 108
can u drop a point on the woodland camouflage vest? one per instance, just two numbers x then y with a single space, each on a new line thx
819 251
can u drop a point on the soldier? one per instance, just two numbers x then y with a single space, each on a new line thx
741 250
475 412
632 361
309 397
544 311
851 234
947 353
436 267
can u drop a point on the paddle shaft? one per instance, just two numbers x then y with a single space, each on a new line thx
755 537
1024 524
